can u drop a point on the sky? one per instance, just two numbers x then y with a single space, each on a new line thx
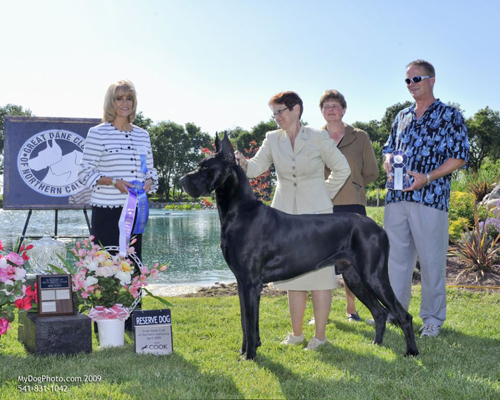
216 63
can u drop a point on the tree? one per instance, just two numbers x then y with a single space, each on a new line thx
9 109
257 134
388 119
176 151
372 128
484 136
143 122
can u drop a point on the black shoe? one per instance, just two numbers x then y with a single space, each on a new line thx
354 318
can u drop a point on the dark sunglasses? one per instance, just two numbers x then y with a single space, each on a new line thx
417 79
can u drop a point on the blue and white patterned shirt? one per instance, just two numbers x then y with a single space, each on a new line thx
428 142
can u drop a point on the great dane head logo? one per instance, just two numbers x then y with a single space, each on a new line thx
48 162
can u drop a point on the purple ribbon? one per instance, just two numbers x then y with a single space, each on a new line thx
126 222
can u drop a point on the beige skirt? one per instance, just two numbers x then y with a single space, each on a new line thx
322 279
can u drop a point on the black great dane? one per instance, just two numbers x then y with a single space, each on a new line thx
261 244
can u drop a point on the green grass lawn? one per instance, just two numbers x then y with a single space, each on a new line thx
462 363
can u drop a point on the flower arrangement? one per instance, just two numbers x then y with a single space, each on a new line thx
104 279
12 287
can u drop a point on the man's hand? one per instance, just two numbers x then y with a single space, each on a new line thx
419 181
387 165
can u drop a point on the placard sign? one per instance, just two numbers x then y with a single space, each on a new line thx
153 332
42 156
55 295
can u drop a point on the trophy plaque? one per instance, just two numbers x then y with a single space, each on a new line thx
55 295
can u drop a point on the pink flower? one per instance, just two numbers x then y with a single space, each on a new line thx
4 324
144 270
24 303
4 275
15 258
155 274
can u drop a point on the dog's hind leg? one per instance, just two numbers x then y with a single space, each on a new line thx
402 317
379 313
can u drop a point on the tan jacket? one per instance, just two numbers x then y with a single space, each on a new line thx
301 187
357 148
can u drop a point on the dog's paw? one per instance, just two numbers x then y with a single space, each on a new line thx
412 353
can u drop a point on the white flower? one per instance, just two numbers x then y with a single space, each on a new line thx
91 280
106 272
92 265
3 262
124 277
20 274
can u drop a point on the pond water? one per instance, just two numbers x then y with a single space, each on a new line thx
187 241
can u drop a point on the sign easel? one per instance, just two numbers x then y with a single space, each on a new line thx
41 166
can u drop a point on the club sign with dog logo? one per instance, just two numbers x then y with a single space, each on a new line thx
153 332
42 156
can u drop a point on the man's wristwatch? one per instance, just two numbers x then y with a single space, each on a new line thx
113 182
428 179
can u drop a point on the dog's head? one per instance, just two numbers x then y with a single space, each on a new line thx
212 171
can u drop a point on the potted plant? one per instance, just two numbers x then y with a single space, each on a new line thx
108 286
12 285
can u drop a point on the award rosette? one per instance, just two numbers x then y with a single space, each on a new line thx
136 200
400 178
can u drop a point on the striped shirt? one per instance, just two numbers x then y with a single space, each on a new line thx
112 153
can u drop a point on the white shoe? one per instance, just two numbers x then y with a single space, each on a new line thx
315 343
291 339
430 330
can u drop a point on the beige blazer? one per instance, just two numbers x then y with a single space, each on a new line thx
357 148
301 187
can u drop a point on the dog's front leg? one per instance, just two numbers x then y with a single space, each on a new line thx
243 318
251 297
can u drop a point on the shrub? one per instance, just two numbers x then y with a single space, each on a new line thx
462 206
481 184
479 250
371 196
457 228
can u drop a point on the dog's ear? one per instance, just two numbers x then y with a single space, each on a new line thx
217 142
227 150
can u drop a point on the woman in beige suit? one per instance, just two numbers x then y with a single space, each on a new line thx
300 154
355 145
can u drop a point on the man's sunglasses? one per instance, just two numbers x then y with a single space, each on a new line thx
417 79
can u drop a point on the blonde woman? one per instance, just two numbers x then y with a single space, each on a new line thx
116 153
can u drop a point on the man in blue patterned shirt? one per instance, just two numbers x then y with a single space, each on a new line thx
433 138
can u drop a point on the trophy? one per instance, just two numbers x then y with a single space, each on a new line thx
400 178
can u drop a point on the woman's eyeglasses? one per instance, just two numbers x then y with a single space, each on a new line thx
417 79
279 112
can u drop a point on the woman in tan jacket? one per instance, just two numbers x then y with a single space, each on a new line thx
355 145
300 154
